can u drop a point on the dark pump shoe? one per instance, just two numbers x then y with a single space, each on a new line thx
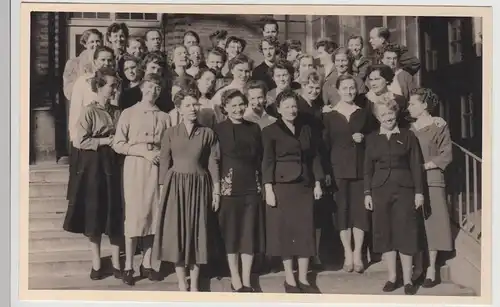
429 283
128 277
291 289
307 288
117 273
390 286
410 289
149 273
96 274
242 289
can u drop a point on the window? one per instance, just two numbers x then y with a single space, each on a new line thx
137 16
430 54
467 122
455 41
89 15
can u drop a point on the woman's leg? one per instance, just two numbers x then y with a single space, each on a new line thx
289 278
431 270
180 271
148 248
345 237
390 260
95 247
130 245
115 252
303 269
233 262
407 265
246 268
194 274
359 236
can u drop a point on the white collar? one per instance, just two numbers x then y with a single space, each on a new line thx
342 107
377 98
395 130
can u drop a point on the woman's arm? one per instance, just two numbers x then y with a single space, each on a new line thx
416 162
84 132
368 168
445 149
268 157
213 162
165 156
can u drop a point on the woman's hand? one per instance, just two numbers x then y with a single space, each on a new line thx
215 201
327 108
358 137
368 202
153 156
328 180
318 192
430 165
419 200
106 141
270 197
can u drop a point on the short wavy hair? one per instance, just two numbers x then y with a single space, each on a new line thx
238 40
343 78
272 41
389 103
229 94
218 52
284 95
282 64
115 27
100 49
393 48
86 34
311 76
184 93
384 70
426 95
240 59
328 44
256 84
217 36
99 79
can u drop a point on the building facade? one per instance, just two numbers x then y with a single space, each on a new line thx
453 67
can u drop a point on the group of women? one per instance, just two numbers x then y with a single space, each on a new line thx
160 152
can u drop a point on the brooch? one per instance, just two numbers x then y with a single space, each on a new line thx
399 142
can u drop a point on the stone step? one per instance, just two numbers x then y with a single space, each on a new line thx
60 240
52 221
328 282
48 189
48 205
49 173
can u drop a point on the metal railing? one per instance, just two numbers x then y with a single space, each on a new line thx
464 191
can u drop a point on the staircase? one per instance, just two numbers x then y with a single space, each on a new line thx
61 260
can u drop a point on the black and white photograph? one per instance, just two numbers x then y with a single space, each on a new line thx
256 153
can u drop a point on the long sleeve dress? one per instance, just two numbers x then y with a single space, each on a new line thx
436 146
140 129
292 164
240 215
188 169
94 195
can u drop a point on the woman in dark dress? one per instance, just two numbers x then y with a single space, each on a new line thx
292 175
239 216
393 180
190 186
131 92
95 206
345 127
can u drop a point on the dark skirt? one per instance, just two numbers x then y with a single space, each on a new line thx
94 194
351 211
181 236
72 167
240 224
395 220
290 225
